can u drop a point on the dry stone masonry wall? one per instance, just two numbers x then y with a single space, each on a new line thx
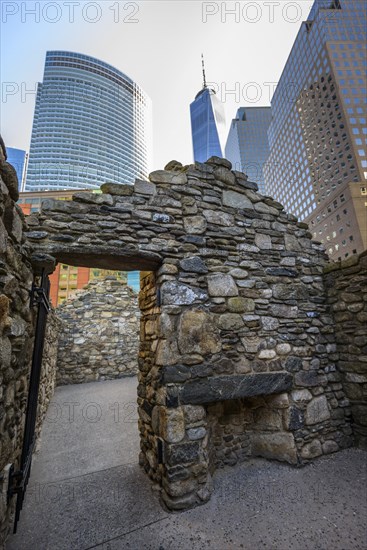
347 295
237 338
16 331
99 338
17 322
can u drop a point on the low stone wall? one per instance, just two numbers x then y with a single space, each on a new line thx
49 366
99 338
347 295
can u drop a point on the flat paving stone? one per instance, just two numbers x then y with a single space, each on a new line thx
77 501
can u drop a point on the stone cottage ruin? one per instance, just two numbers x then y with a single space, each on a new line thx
238 354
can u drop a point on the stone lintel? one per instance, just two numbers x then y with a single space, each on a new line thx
220 388
107 258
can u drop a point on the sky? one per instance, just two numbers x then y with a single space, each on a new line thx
156 43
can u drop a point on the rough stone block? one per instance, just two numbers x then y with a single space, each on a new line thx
278 446
317 410
219 388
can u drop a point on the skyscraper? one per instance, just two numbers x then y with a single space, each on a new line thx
92 124
247 144
317 165
207 123
18 158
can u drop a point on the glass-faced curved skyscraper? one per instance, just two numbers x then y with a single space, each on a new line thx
92 124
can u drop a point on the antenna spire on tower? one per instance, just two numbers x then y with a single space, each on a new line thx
203 66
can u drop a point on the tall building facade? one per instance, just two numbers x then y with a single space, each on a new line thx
247 144
207 123
18 158
92 124
318 135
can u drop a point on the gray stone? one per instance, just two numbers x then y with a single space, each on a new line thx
167 176
230 321
278 446
184 453
217 217
195 224
194 264
218 161
263 241
236 200
219 388
196 433
144 187
180 294
197 333
222 284
317 410
122 190
225 175
311 450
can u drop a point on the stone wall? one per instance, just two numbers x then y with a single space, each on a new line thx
99 339
346 283
17 323
16 331
233 309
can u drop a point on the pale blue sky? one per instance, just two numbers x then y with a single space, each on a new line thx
158 44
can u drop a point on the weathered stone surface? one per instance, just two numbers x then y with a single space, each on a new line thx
225 175
180 294
301 396
317 410
9 176
311 450
99 334
194 264
168 176
263 242
278 446
144 187
222 284
171 425
218 217
239 304
117 189
233 387
236 200
183 453
197 333
195 224
218 161
345 282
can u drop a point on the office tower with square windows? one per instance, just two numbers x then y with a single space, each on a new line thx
207 123
317 165
18 158
247 144
92 124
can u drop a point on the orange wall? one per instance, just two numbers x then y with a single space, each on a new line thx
54 289
83 277
26 208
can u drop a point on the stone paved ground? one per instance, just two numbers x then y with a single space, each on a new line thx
87 491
